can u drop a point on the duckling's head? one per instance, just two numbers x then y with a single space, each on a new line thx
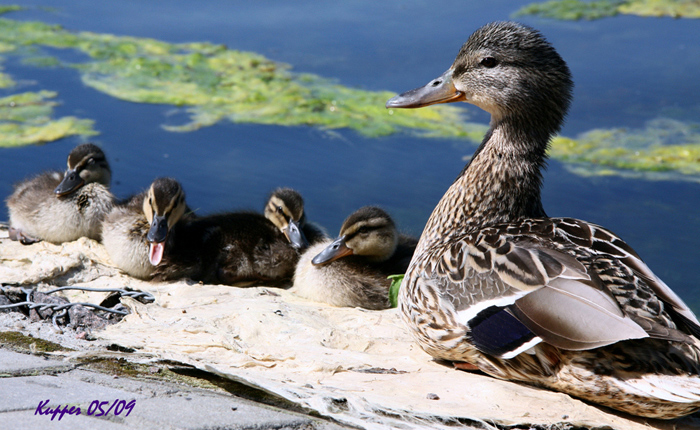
86 163
163 206
285 208
369 232
507 69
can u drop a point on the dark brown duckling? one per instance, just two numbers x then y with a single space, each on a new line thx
247 247
251 249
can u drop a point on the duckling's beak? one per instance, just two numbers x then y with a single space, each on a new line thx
156 239
440 90
71 182
295 236
334 251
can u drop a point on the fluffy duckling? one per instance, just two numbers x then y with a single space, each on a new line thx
257 248
285 208
61 207
497 285
235 248
139 233
352 270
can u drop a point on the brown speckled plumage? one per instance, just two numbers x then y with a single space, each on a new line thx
554 302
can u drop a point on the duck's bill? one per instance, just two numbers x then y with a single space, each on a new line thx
295 236
71 182
156 239
440 90
155 252
158 230
334 251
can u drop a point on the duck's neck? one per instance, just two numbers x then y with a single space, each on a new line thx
501 183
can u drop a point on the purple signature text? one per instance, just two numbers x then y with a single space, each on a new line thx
97 408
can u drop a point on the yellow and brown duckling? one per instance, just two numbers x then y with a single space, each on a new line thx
499 286
352 270
285 208
61 207
138 234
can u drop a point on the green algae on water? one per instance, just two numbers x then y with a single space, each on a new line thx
26 118
215 83
674 9
572 10
596 9
9 8
663 149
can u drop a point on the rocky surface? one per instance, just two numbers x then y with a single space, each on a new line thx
357 367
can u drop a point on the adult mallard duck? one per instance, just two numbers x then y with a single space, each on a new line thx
554 302
352 270
61 207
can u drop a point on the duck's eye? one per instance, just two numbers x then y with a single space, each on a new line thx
91 161
489 62
363 230
279 209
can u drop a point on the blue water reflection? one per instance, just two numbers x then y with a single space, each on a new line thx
627 70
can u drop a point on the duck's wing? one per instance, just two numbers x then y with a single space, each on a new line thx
638 290
514 286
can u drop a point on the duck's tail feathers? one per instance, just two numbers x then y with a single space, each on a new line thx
671 388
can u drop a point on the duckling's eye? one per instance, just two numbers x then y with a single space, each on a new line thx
91 161
363 230
489 62
279 209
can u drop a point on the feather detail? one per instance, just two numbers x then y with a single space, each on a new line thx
493 276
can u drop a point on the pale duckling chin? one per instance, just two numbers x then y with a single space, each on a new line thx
60 207
138 234
352 270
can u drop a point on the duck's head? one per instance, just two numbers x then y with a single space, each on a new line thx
86 163
163 206
507 69
285 208
369 232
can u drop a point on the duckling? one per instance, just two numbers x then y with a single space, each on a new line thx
497 285
61 207
253 249
257 248
353 270
285 208
138 234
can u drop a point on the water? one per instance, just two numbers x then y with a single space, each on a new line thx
627 70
